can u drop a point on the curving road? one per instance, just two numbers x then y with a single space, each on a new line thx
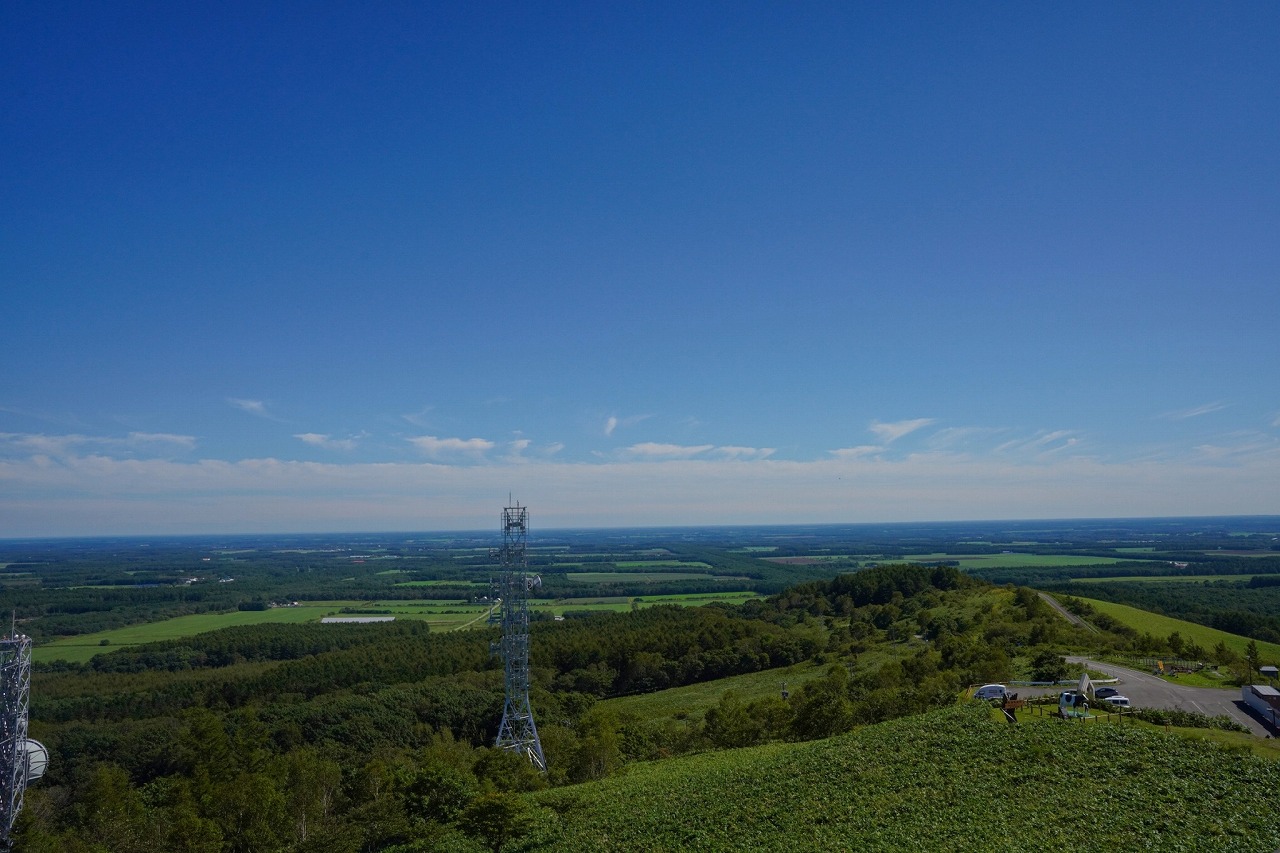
1149 691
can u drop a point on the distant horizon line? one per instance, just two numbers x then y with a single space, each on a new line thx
1263 517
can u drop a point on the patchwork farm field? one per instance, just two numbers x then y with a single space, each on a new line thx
646 577
1166 578
1017 561
441 615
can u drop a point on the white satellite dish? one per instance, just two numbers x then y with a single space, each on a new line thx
37 759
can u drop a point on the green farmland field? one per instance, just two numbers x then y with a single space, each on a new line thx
619 603
1166 578
441 615
643 577
1163 626
446 615
1016 561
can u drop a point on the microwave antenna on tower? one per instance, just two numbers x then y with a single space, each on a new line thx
512 587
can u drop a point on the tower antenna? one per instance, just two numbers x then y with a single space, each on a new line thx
22 760
512 586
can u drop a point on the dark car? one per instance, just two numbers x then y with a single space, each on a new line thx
1104 692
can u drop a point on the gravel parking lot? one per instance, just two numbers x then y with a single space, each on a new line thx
1149 691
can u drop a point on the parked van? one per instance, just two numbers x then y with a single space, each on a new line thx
991 691
1118 701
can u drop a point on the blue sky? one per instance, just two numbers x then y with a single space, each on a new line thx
320 266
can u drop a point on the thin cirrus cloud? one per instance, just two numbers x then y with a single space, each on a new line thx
253 407
1184 414
438 448
1043 442
612 422
59 446
658 450
184 441
959 439
891 432
857 452
888 433
726 452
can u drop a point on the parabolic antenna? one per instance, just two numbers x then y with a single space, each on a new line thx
37 759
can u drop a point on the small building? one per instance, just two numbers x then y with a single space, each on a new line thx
1265 701
1269 672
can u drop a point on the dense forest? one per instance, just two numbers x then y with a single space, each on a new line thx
299 737
372 737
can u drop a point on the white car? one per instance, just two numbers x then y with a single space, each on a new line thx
991 691
1118 701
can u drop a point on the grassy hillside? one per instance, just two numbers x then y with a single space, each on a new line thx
953 779
1162 626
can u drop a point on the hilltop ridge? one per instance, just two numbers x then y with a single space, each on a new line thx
951 779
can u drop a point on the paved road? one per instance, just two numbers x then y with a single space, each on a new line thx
1149 691
1065 613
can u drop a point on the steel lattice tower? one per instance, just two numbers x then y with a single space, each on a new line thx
15 762
517 731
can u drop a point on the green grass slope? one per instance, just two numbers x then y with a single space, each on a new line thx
950 780
1163 626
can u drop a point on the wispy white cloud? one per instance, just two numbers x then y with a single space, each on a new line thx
1184 414
655 450
857 452
730 451
420 417
438 448
959 438
1042 443
1276 422
327 442
50 445
516 449
891 432
1239 447
524 450
613 422
253 407
69 444
187 442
